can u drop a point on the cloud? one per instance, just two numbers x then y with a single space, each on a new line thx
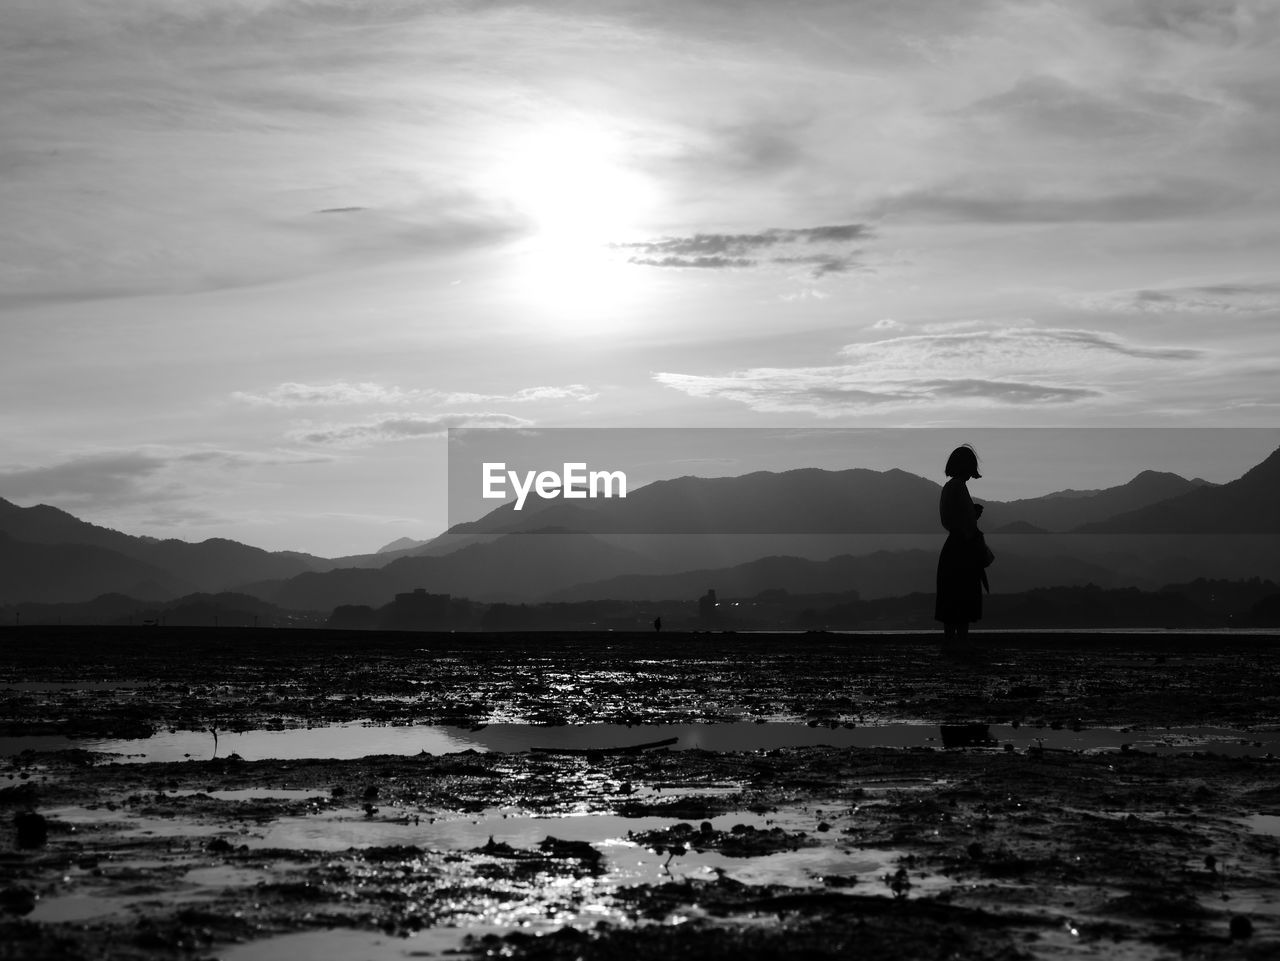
142 476
99 477
1007 348
1223 23
341 393
805 293
1009 392
574 392
822 264
1242 299
703 245
838 233
722 251
839 390
240 459
701 262
759 145
1160 198
1011 366
269 112
291 394
415 223
403 427
1044 105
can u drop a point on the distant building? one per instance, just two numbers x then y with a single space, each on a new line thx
707 606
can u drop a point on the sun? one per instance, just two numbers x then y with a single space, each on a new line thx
576 182
579 189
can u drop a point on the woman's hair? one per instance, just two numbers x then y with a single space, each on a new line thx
963 462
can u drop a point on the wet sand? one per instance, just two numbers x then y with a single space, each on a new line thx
1026 852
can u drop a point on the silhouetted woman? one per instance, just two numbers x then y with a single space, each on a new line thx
959 565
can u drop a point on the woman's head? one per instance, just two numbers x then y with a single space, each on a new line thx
963 463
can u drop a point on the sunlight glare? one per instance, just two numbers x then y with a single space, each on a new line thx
572 180
573 183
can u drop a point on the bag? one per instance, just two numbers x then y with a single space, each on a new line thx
985 556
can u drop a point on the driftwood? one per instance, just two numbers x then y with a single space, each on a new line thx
628 749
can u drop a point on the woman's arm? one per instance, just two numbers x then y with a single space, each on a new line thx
959 516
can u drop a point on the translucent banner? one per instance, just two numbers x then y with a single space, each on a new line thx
1061 481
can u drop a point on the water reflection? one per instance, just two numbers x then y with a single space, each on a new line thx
347 741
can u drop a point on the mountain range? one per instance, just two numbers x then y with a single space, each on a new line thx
48 554
804 529
814 501
1246 505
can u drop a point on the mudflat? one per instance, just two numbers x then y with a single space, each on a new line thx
1149 846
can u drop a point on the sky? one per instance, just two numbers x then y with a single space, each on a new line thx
257 256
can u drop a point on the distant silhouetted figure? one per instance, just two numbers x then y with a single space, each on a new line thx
961 565
657 624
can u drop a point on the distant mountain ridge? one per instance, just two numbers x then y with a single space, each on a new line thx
1249 504
1068 510
813 500
42 524
47 554
401 544
211 565
72 572
804 500
514 567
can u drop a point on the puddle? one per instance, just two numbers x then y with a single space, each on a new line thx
807 867
342 741
36 686
11 746
195 885
79 907
626 861
344 944
225 876
124 823
349 741
629 863
200 884
338 831
253 794
1264 824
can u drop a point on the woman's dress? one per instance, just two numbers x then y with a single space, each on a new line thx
959 597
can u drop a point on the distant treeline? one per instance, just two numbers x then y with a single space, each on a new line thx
1199 604
194 610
